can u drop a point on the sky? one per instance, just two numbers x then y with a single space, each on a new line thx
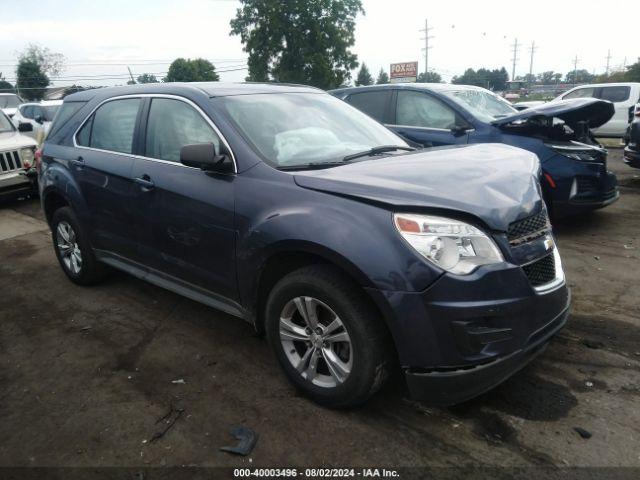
101 38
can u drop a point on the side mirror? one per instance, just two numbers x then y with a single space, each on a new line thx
205 157
459 130
25 127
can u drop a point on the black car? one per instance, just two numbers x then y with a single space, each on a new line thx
575 178
294 211
632 149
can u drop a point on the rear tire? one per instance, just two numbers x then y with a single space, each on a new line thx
73 249
328 338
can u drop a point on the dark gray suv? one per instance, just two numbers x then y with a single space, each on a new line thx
294 211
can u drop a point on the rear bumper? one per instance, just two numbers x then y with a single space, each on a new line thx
451 387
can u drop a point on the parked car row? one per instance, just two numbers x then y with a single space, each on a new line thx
38 114
574 176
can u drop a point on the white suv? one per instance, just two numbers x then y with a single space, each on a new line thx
623 95
39 115
17 159
9 103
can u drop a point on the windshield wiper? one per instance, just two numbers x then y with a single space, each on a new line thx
376 151
310 166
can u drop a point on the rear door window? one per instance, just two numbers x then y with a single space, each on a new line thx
173 124
615 94
419 109
111 127
373 104
581 93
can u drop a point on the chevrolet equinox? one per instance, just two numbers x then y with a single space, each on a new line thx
287 207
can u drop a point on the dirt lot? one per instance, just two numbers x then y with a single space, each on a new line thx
86 373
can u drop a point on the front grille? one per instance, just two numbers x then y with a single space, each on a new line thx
9 161
541 271
529 228
587 184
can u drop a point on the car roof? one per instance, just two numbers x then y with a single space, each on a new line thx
213 89
435 87
598 85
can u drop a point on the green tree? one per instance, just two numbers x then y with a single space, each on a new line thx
633 72
364 76
147 78
429 77
187 70
579 76
298 41
5 87
547 78
383 77
491 79
32 82
50 63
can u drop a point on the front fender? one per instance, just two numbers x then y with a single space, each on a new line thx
356 236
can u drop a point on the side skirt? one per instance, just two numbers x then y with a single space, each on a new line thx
173 284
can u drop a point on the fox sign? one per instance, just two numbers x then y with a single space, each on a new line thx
404 72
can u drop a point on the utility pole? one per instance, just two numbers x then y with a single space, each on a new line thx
131 75
575 70
514 59
426 47
608 57
532 50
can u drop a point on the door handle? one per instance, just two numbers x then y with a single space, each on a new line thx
145 182
79 162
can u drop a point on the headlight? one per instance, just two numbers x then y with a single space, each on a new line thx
451 245
27 156
584 153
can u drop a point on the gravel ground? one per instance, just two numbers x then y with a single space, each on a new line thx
87 374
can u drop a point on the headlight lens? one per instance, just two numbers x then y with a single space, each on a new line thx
27 155
584 153
451 245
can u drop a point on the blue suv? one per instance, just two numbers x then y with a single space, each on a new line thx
574 179
294 211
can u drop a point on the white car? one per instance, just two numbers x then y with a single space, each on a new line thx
39 115
17 159
9 103
623 95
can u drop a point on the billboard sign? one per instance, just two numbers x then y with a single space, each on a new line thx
403 72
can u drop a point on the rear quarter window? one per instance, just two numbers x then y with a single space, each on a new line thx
373 104
616 94
65 112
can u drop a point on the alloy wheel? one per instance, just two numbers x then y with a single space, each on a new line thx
68 247
316 342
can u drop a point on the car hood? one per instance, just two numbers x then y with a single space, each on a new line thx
596 112
15 140
494 182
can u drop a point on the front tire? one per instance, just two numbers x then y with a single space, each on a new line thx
73 249
327 337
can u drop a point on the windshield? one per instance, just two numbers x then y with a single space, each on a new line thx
5 123
292 129
50 111
483 104
9 101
